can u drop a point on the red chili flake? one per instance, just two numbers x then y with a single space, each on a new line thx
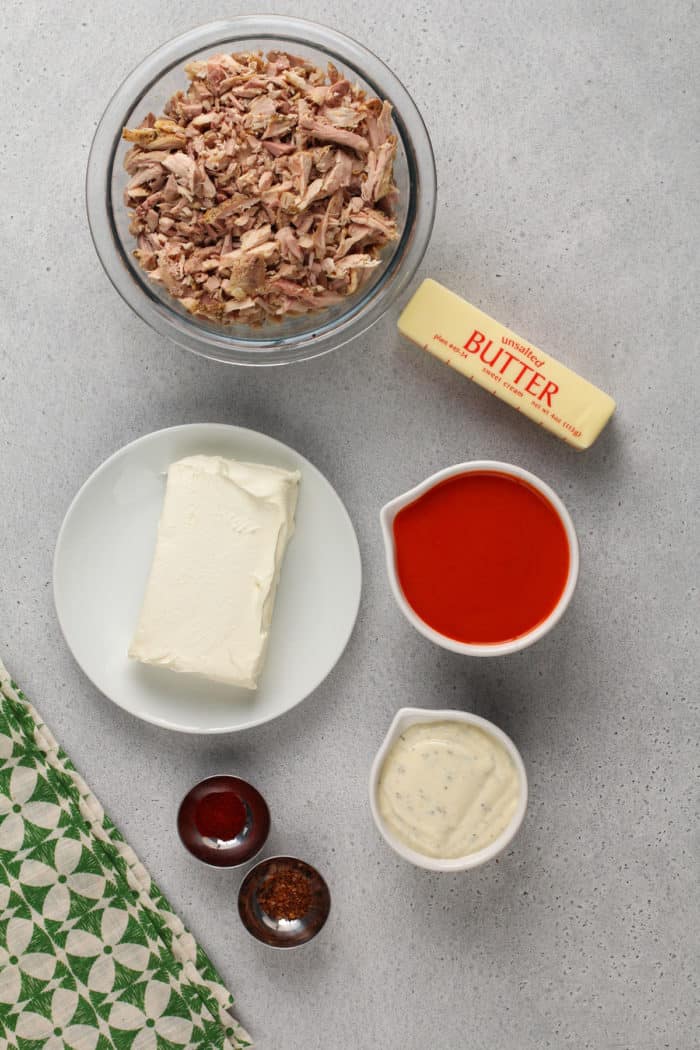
286 896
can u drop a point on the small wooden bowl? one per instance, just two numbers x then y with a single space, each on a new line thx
282 933
217 852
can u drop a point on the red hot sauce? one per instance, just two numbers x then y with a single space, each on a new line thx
220 815
481 557
223 821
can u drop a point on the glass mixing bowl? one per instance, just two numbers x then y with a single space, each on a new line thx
149 87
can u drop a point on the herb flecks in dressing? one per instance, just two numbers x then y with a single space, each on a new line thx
447 789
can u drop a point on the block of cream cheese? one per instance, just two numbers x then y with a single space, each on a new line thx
504 364
222 535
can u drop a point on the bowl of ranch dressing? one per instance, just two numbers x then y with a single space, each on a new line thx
448 789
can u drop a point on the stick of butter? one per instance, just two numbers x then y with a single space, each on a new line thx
504 364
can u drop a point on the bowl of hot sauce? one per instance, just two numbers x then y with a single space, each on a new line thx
482 557
223 821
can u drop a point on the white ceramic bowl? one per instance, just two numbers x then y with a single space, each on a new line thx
391 509
408 716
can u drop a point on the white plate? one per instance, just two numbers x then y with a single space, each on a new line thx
103 557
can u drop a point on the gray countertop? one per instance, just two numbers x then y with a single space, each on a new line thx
568 194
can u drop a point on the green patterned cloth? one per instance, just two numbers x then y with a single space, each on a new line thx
91 954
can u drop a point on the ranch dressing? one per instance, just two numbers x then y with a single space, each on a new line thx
447 788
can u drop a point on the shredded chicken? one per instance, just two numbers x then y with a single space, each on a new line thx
266 189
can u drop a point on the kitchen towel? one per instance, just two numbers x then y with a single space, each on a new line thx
92 956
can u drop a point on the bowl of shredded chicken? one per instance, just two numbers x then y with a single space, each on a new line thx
263 190
267 195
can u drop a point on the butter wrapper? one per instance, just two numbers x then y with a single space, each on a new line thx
487 352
